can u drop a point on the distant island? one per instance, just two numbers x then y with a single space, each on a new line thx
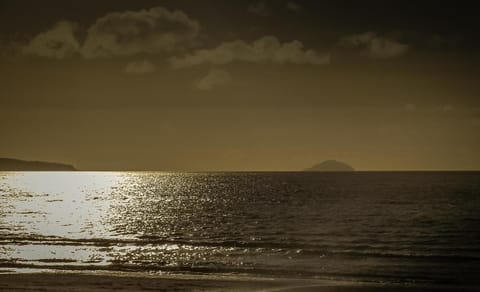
331 165
10 164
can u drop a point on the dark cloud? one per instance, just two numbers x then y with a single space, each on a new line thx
58 42
374 46
127 33
267 49
146 31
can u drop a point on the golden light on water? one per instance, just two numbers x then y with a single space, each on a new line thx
59 182
59 203
89 204
82 210
241 222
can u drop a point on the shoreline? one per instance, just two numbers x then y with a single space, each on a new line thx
93 281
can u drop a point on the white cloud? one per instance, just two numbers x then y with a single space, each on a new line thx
214 78
374 46
58 42
132 32
264 50
140 67
293 6
258 8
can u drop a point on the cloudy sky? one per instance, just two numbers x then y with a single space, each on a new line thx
240 85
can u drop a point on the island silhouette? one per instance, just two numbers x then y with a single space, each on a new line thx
331 165
10 164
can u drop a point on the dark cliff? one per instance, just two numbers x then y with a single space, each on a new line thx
9 164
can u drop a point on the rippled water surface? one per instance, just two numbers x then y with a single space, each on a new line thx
400 227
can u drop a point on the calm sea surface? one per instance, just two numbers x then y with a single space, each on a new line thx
389 227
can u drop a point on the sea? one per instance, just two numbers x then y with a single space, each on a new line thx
405 228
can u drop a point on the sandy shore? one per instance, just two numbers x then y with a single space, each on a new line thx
97 282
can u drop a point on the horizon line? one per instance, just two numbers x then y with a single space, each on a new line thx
254 171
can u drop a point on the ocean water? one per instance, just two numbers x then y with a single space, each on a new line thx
384 227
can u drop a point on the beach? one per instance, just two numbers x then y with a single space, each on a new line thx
120 282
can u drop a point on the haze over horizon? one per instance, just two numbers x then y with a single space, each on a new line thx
245 85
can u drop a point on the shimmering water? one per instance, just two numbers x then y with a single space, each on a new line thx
398 227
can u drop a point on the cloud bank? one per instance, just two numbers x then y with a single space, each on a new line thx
146 31
374 46
264 50
58 42
150 31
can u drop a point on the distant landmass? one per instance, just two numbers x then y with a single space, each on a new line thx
331 165
9 164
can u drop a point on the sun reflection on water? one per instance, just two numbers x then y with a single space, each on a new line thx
93 204
64 204
52 183
236 222
106 218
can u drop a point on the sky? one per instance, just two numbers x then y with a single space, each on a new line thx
216 85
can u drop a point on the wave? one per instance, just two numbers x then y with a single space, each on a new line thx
331 250
425 277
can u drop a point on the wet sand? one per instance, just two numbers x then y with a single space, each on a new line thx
101 282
